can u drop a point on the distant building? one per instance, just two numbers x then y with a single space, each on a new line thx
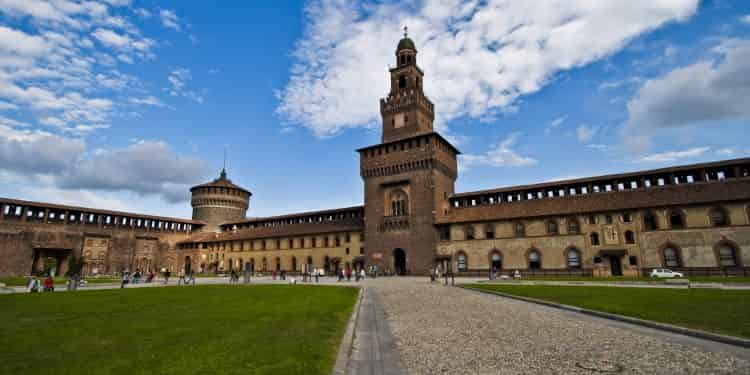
693 218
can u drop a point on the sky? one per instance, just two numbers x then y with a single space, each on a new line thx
125 104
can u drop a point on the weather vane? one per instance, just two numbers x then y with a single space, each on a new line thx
406 28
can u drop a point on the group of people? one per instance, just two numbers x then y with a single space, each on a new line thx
46 285
347 273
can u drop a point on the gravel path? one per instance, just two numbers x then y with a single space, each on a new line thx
444 330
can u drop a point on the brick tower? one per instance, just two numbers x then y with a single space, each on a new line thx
219 201
408 177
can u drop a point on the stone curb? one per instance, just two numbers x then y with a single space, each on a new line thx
347 342
736 341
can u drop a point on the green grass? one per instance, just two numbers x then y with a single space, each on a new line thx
701 279
60 282
720 311
264 329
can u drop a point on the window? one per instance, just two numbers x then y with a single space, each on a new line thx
633 260
671 259
469 230
552 227
627 218
591 219
489 231
719 217
727 256
461 262
574 258
520 230
445 233
535 260
401 82
399 203
594 237
347 251
573 226
361 250
629 237
608 219
676 220
649 221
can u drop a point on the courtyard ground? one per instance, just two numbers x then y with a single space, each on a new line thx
719 311
445 330
260 329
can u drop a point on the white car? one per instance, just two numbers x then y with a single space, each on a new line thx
665 273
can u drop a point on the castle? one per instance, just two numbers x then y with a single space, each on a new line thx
693 218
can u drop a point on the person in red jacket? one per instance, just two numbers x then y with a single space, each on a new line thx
49 284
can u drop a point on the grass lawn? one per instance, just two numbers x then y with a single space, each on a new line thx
701 279
59 281
263 329
720 311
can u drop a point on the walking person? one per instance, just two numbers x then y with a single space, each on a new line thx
348 274
246 274
125 279
33 285
181 277
166 275
362 274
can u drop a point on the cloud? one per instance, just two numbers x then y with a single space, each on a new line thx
706 92
726 151
673 156
585 133
745 19
31 152
554 124
169 19
144 167
150 101
502 156
142 12
479 57
610 85
178 79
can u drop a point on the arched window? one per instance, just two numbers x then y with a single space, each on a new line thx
573 258
727 255
649 221
671 257
573 226
594 238
519 229
719 217
676 220
461 262
401 82
294 264
469 229
399 203
552 227
629 237
535 259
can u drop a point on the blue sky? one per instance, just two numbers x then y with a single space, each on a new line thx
125 104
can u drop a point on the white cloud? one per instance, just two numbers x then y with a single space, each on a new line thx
17 42
142 12
673 156
706 92
554 124
178 79
726 151
169 19
745 19
585 133
609 85
478 57
149 101
501 156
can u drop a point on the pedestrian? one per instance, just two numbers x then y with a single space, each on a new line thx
283 275
166 276
192 278
49 284
348 274
33 285
317 275
341 274
246 274
124 281
362 274
181 276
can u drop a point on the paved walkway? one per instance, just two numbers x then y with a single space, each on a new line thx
445 330
374 350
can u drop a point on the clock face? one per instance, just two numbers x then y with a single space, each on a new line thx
398 120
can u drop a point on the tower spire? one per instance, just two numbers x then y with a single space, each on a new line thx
223 175
406 29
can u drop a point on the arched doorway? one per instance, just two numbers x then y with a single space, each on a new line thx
399 261
496 260
187 265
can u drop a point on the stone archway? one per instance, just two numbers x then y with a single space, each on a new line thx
399 261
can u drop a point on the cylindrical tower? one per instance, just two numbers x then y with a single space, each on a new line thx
219 201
